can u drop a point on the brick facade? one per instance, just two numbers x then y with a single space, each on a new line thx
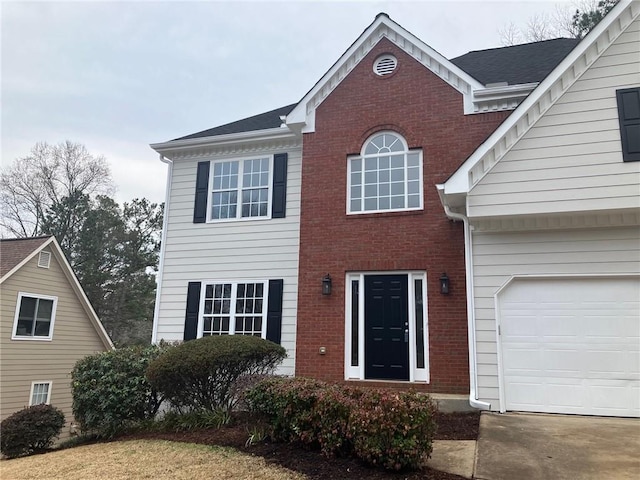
428 113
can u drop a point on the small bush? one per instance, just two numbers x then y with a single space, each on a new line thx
194 420
111 392
30 430
393 430
203 374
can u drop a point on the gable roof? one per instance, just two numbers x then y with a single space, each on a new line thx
516 64
302 117
14 250
487 155
261 121
19 251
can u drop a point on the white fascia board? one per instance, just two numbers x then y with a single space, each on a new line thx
35 252
302 114
82 296
460 182
231 138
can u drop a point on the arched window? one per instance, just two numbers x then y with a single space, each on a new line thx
386 176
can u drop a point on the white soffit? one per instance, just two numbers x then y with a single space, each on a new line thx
302 117
542 98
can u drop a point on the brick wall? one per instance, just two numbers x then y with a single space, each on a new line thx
429 114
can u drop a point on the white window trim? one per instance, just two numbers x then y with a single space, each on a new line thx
15 319
33 384
239 189
363 157
357 373
234 289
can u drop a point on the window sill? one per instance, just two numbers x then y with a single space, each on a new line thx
401 213
33 339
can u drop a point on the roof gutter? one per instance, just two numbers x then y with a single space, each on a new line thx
165 222
471 315
253 135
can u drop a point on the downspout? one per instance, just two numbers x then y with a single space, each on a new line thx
471 313
156 308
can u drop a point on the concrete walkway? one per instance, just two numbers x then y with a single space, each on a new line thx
544 447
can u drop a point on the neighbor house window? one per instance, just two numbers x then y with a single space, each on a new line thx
234 309
386 176
40 393
34 317
240 188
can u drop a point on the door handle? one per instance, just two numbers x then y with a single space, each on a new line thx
406 335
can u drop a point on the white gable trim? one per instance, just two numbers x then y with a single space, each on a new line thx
302 117
541 99
75 285
35 252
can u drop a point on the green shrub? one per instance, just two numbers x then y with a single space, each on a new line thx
203 374
111 392
30 430
393 430
287 403
183 422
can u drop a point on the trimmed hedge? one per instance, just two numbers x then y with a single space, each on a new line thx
390 429
110 390
30 430
204 374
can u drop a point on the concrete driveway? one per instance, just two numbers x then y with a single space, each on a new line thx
557 447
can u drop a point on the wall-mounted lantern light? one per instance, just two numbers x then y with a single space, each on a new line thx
326 284
444 284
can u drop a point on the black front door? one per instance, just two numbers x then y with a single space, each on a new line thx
386 321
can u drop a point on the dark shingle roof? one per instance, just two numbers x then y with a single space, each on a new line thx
262 121
526 63
15 250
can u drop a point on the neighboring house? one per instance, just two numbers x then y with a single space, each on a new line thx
552 199
319 225
47 324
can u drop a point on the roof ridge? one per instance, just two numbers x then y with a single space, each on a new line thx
39 237
519 45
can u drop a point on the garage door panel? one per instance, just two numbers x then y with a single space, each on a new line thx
571 345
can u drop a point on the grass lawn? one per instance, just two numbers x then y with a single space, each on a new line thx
144 459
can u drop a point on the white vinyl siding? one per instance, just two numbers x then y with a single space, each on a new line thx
251 250
571 159
499 256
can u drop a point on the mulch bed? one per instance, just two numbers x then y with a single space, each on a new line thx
451 426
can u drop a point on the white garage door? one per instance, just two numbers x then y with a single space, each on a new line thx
571 346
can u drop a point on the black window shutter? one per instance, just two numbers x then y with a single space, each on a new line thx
279 200
202 193
629 116
193 307
274 311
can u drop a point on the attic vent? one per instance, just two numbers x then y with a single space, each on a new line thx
385 65
44 259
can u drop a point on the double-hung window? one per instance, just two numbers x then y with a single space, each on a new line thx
386 176
40 393
237 308
240 188
34 318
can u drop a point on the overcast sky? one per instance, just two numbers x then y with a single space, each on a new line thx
117 76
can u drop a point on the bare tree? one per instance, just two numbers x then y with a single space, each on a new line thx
32 185
570 20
